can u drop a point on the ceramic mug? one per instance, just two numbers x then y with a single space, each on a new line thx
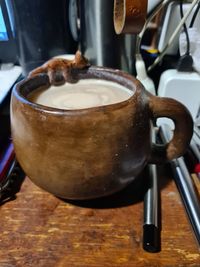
92 152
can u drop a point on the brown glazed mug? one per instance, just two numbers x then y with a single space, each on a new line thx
93 152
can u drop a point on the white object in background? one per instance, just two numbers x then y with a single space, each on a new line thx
171 20
142 75
66 56
182 86
194 37
7 78
152 4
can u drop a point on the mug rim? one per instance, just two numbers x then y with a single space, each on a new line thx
92 72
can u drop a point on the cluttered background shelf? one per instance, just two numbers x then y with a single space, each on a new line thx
38 229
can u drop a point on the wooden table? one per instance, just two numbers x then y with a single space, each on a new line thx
38 229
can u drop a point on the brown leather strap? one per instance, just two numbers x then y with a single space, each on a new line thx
129 15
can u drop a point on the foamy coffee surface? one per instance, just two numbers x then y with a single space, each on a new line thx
85 93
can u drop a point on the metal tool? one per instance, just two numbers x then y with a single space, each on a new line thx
151 231
185 186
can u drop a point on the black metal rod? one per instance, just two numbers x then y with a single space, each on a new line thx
151 231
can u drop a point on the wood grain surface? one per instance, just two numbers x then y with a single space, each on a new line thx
38 229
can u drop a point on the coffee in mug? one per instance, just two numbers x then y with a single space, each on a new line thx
84 153
85 93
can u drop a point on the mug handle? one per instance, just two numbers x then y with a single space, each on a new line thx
172 109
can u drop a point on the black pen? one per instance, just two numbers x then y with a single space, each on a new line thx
185 187
151 231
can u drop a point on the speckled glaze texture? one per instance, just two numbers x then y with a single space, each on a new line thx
88 153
